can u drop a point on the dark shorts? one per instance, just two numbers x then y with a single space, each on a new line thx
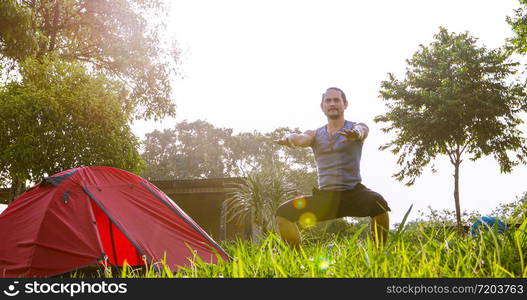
325 205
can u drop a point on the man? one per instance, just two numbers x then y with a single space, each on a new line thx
337 147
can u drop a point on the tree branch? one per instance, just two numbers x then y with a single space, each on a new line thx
464 147
55 27
450 153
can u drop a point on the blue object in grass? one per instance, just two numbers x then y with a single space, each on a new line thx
485 223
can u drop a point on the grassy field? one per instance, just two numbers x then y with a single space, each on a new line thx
418 251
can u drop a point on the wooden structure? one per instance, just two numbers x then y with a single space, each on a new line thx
203 200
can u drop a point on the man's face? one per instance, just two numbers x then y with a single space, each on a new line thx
333 105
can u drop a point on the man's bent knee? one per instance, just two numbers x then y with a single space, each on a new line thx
292 209
288 231
380 207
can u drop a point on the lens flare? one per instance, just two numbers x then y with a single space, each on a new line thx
300 203
323 264
308 219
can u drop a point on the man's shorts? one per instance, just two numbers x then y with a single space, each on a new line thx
325 205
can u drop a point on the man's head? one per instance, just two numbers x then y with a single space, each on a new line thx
334 103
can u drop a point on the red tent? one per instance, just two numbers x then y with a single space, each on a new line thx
94 214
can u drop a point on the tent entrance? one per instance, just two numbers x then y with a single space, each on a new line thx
115 244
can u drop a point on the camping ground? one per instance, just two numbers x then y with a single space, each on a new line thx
411 252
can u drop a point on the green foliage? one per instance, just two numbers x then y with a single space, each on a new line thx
258 198
446 217
514 212
189 151
59 117
110 37
16 40
518 24
420 253
441 221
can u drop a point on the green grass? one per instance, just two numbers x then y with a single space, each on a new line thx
416 252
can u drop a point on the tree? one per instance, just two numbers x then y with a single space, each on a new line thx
245 150
190 150
59 117
110 37
159 154
454 101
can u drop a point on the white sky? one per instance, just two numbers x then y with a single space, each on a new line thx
260 65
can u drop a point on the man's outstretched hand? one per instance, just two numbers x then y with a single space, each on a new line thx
351 135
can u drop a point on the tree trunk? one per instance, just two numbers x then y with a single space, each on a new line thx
54 28
456 195
17 188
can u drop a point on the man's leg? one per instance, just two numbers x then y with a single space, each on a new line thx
380 224
305 211
288 231
363 202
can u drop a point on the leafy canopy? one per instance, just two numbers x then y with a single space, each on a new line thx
110 37
518 24
456 98
59 117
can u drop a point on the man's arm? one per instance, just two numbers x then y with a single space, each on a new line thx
298 140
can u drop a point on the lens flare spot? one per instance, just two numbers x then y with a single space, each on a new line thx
308 219
323 264
299 203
